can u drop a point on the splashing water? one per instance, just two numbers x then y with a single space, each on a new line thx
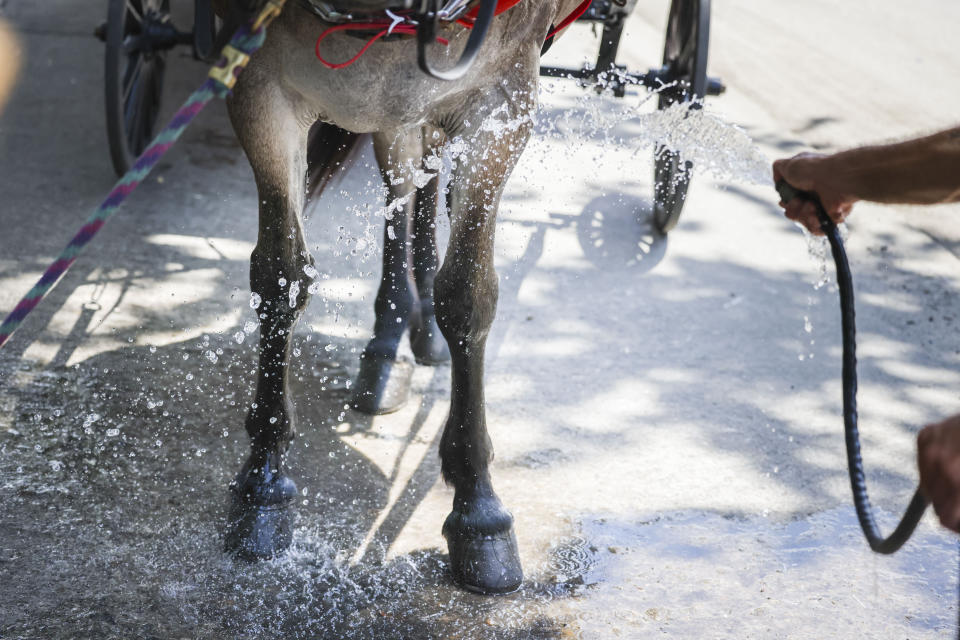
140 523
714 146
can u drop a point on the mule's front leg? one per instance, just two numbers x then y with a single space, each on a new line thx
479 530
259 524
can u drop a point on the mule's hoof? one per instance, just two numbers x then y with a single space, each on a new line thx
486 563
258 532
428 344
382 386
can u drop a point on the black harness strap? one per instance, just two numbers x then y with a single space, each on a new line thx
427 22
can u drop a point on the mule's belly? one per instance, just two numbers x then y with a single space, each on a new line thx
383 90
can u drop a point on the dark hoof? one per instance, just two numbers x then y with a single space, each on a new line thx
258 532
486 563
261 513
382 386
428 344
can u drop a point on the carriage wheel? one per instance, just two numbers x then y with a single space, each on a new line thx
206 28
133 77
684 62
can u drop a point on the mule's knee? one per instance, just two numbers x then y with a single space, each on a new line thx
280 281
465 303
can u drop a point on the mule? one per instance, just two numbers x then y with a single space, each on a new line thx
486 117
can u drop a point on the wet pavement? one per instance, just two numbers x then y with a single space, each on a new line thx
665 411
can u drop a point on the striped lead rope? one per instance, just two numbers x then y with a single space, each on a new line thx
244 43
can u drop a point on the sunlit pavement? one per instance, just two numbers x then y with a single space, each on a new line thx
665 411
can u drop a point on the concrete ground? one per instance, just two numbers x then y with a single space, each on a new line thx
665 410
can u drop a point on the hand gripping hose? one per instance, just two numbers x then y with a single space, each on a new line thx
858 482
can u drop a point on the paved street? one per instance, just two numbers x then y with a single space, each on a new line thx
665 411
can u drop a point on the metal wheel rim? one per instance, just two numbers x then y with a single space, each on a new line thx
685 58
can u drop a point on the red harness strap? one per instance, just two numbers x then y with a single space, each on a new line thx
502 5
570 19
385 27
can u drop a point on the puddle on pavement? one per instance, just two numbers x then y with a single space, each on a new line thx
696 574
113 495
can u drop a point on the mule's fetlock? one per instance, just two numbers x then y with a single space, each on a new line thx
262 482
479 515
427 343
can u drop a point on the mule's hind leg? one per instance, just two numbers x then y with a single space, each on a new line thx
383 384
426 341
479 530
274 139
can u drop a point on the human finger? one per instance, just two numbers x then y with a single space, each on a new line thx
930 464
777 170
947 507
807 216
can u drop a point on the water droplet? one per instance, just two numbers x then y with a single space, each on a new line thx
294 292
89 420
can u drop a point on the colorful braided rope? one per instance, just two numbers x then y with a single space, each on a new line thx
244 41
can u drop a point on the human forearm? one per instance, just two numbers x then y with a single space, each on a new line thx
920 171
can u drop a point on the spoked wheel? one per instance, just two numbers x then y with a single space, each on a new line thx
684 65
134 76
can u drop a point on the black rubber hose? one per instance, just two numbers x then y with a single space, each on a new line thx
858 483
427 33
